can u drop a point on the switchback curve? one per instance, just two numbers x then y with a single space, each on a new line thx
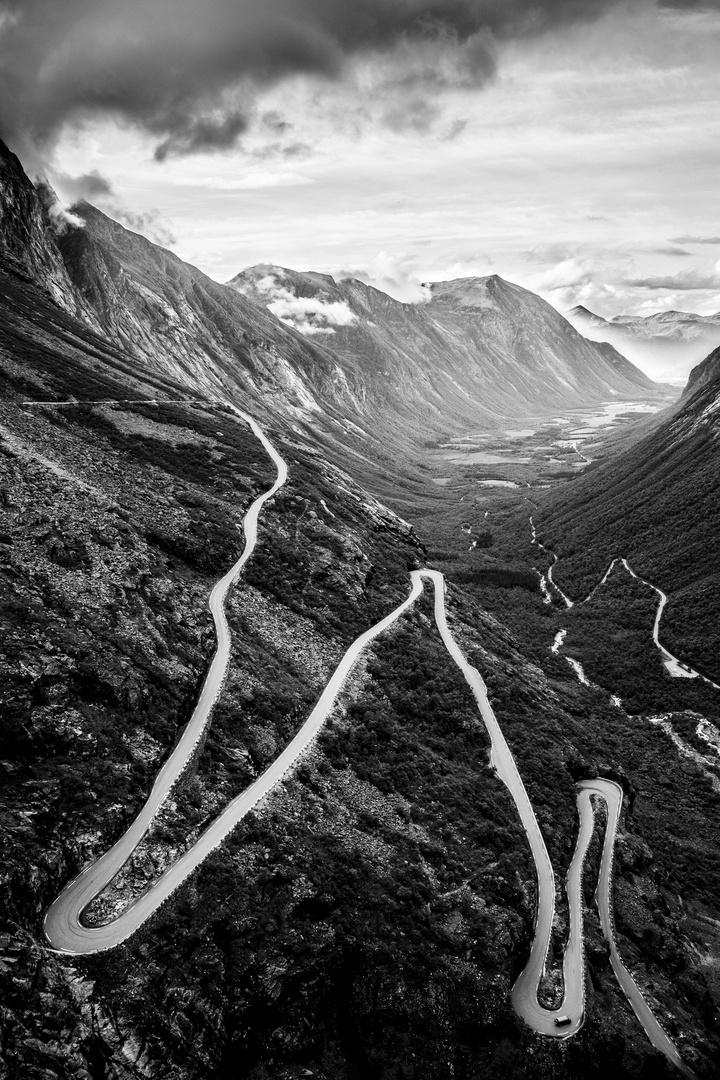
63 924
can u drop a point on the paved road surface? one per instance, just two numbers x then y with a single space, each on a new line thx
611 793
63 921
672 663
524 993
62 924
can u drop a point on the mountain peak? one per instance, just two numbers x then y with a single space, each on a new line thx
480 293
269 277
33 224
581 312
674 314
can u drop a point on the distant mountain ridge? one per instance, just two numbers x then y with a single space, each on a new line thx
339 359
683 325
483 346
668 342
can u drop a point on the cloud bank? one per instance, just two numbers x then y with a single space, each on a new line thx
186 70
392 273
310 315
684 281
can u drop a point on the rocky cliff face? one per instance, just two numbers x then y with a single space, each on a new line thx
557 362
161 311
184 324
31 223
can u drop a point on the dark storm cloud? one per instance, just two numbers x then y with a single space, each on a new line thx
171 66
194 134
91 186
95 188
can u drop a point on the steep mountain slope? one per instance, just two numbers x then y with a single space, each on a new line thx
375 378
659 504
704 374
183 323
480 349
127 302
163 313
30 225
48 354
669 342
368 920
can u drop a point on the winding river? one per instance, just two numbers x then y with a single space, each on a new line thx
566 599
63 922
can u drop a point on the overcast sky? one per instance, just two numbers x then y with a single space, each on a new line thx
571 146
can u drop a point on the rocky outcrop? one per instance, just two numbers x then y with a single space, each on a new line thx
31 224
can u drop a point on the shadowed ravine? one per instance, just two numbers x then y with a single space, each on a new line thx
63 923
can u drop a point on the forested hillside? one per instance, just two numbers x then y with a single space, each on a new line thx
658 505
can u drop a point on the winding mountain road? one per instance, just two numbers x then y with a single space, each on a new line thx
611 793
63 925
672 663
